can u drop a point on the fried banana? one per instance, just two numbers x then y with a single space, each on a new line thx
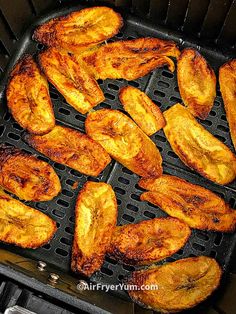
142 110
175 286
22 225
72 79
193 204
124 141
79 29
148 241
26 176
131 59
197 83
28 97
197 147
96 215
227 79
71 148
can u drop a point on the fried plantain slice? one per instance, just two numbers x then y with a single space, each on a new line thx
227 80
28 97
131 59
22 225
124 141
178 286
140 107
79 29
197 147
197 82
148 241
72 79
26 176
96 215
71 148
193 204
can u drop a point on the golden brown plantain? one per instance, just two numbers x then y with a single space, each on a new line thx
22 225
124 141
79 29
72 79
140 107
197 82
197 147
131 59
180 285
28 97
96 215
227 80
148 241
193 204
26 176
71 148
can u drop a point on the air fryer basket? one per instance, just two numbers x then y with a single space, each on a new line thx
161 86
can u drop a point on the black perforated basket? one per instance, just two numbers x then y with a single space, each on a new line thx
161 86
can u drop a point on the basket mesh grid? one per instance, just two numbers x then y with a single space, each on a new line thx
161 86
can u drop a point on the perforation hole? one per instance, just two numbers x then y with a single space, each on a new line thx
163 84
159 93
120 35
67 193
58 213
39 46
17 127
47 246
212 113
218 239
61 252
13 136
110 96
121 278
132 207
119 191
100 82
59 166
223 117
213 254
160 138
54 96
128 267
123 180
43 158
7 116
41 206
176 89
70 182
206 122
167 74
172 154
110 260
76 173
106 271
65 241
222 128
133 83
64 111
198 247
221 138
105 106
69 230
63 203
125 170
232 202
135 197
113 86
175 99
72 219
80 118
128 218
149 214
203 236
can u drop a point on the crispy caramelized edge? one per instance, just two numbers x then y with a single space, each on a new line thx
75 248
114 252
